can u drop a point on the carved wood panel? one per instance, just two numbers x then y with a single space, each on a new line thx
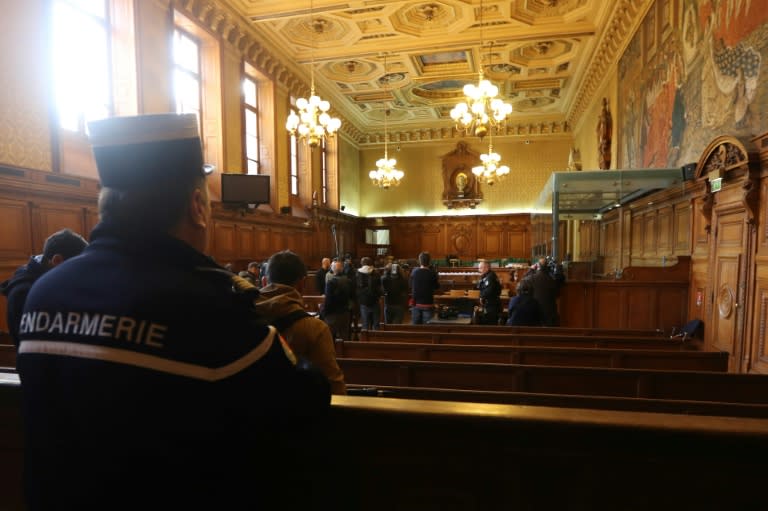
681 234
609 301
223 242
15 231
650 234
760 346
48 218
640 311
664 230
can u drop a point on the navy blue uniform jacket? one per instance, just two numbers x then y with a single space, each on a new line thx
147 381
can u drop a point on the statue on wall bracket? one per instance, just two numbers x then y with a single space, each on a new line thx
460 186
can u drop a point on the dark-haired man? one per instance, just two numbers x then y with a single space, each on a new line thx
424 282
59 247
282 303
147 380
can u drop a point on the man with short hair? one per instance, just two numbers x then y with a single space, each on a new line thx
147 380
282 303
336 305
325 267
424 282
368 292
58 247
490 292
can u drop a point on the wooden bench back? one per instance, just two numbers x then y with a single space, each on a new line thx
639 383
509 339
532 355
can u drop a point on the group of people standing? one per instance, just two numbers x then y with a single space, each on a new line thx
348 290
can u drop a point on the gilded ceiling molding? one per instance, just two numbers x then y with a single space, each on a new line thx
448 133
625 18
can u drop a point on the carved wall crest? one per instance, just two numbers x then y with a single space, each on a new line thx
460 187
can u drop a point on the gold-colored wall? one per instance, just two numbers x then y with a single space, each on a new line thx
585 131
349 177
420 193
25 139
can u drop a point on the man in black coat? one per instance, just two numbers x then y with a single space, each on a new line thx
59 247
490 292
148 380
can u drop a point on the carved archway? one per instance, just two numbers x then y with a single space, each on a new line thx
460 187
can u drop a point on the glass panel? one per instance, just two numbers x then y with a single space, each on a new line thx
80 64
249 92
186 52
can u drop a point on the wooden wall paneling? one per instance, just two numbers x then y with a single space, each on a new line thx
245 239
577 304
699 300
759 355
640 308
681 229
664 229
637 227
625 241
609 301
91 219
223 242
430 241
48 218
671 307
15 230
701 225
650 234
490 242
518 245
406 240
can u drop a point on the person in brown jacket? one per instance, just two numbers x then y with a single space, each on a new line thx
281 302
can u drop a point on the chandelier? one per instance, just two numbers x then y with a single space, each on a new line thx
386 174
313 122
489 171
481 110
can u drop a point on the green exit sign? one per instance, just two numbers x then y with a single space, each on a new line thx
716 185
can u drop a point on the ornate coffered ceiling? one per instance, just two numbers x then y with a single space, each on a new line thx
540 53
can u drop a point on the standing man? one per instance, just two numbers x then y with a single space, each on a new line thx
424 282
395 287
281 302
325 267
545 292
368 294
490 291
336 306
59 247
138 359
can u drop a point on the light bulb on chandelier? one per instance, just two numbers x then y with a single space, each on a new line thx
481 110
386 174
313 122
489 171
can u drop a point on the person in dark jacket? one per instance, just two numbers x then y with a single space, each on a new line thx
325 267
523 310
338 302
490 291
424 282
368 292
395 287
58 247
147 380
545 291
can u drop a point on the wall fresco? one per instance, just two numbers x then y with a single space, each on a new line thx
694 70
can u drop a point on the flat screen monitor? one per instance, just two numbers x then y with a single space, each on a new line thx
244 189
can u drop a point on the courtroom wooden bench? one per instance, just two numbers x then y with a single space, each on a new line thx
415 454
595 381
504 339
677 406
530 330
692 360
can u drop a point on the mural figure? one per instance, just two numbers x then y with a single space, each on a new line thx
604 132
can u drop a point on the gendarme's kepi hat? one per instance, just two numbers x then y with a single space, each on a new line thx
145 150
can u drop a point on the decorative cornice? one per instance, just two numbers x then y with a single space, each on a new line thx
521 130
625 18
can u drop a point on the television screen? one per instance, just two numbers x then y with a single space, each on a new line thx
244 189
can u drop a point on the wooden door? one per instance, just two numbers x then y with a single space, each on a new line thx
731 239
